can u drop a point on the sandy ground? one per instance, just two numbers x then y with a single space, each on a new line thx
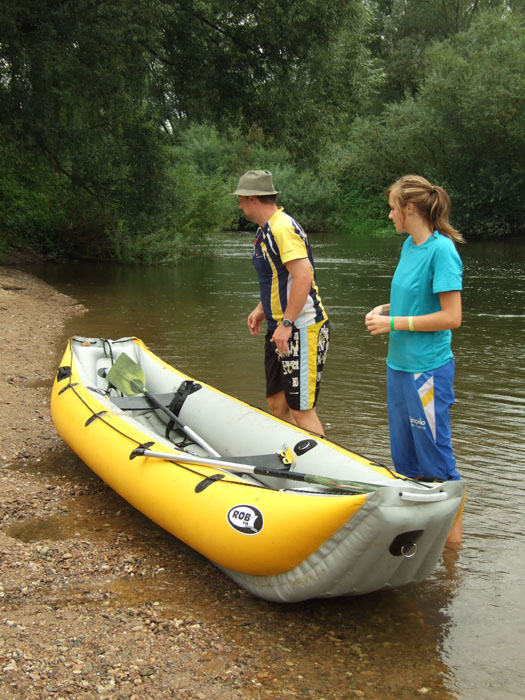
68 625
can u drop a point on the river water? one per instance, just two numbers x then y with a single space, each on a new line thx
463 630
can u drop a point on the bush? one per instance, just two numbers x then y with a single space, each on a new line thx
30 208
219 160
464 129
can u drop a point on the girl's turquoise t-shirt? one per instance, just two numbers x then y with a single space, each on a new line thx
422 273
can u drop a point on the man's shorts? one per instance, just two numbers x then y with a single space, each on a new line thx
419 422
299 374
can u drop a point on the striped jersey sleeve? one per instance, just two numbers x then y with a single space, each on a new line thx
280 241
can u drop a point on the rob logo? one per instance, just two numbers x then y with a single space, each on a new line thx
246 519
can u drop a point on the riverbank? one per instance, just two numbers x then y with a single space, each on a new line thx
78 617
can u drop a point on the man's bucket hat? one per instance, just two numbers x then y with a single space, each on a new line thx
256 183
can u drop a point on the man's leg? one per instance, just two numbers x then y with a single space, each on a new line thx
279 408
303 372
300 373
304 419
308 420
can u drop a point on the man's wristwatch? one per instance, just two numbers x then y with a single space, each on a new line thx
286 323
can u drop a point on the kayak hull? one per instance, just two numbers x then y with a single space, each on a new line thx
280 539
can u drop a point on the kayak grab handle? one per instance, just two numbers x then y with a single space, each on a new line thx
423 497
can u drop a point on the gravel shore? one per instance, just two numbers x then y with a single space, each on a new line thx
67 628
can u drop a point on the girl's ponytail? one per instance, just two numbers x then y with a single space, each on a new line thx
431 201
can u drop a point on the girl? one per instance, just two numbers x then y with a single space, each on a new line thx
425 304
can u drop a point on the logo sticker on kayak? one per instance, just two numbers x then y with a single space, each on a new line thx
246 519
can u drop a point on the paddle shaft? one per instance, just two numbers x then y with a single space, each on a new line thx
189 432
339 484
129 378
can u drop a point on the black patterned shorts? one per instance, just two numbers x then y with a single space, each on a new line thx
299 373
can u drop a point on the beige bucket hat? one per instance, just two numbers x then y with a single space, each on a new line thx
256 182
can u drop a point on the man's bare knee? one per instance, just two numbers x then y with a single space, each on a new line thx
279 407
309 420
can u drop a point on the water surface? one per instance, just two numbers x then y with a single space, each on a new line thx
466 624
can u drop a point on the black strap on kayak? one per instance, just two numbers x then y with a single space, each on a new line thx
63 373
186 388
208 481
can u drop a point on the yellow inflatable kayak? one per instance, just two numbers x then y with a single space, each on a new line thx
286 514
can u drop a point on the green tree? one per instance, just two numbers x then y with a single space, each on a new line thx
463 129
73 89
292 69
97 92
212 162
407 27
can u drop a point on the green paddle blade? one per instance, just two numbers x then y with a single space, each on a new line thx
127 376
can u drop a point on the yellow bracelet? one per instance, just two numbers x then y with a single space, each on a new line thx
410 323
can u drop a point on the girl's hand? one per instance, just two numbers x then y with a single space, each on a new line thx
376 323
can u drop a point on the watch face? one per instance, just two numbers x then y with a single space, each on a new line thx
286 322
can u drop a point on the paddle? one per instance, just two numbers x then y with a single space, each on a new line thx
129 378
337 484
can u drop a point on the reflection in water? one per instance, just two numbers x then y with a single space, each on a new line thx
438 633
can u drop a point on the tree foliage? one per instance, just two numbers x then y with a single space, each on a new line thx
96 93
72 93
122 122
290 68
406 28
463 128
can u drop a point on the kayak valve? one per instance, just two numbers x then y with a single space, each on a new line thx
404 545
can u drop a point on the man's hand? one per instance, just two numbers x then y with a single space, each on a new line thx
280 337
255 320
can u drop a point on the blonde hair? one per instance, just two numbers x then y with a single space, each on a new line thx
431 201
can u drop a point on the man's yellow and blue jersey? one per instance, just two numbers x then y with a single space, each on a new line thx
280 241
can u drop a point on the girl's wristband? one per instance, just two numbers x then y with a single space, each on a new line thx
410 323
392 323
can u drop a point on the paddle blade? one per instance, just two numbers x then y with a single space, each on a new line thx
127 376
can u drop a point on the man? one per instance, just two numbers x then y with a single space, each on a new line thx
298 329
